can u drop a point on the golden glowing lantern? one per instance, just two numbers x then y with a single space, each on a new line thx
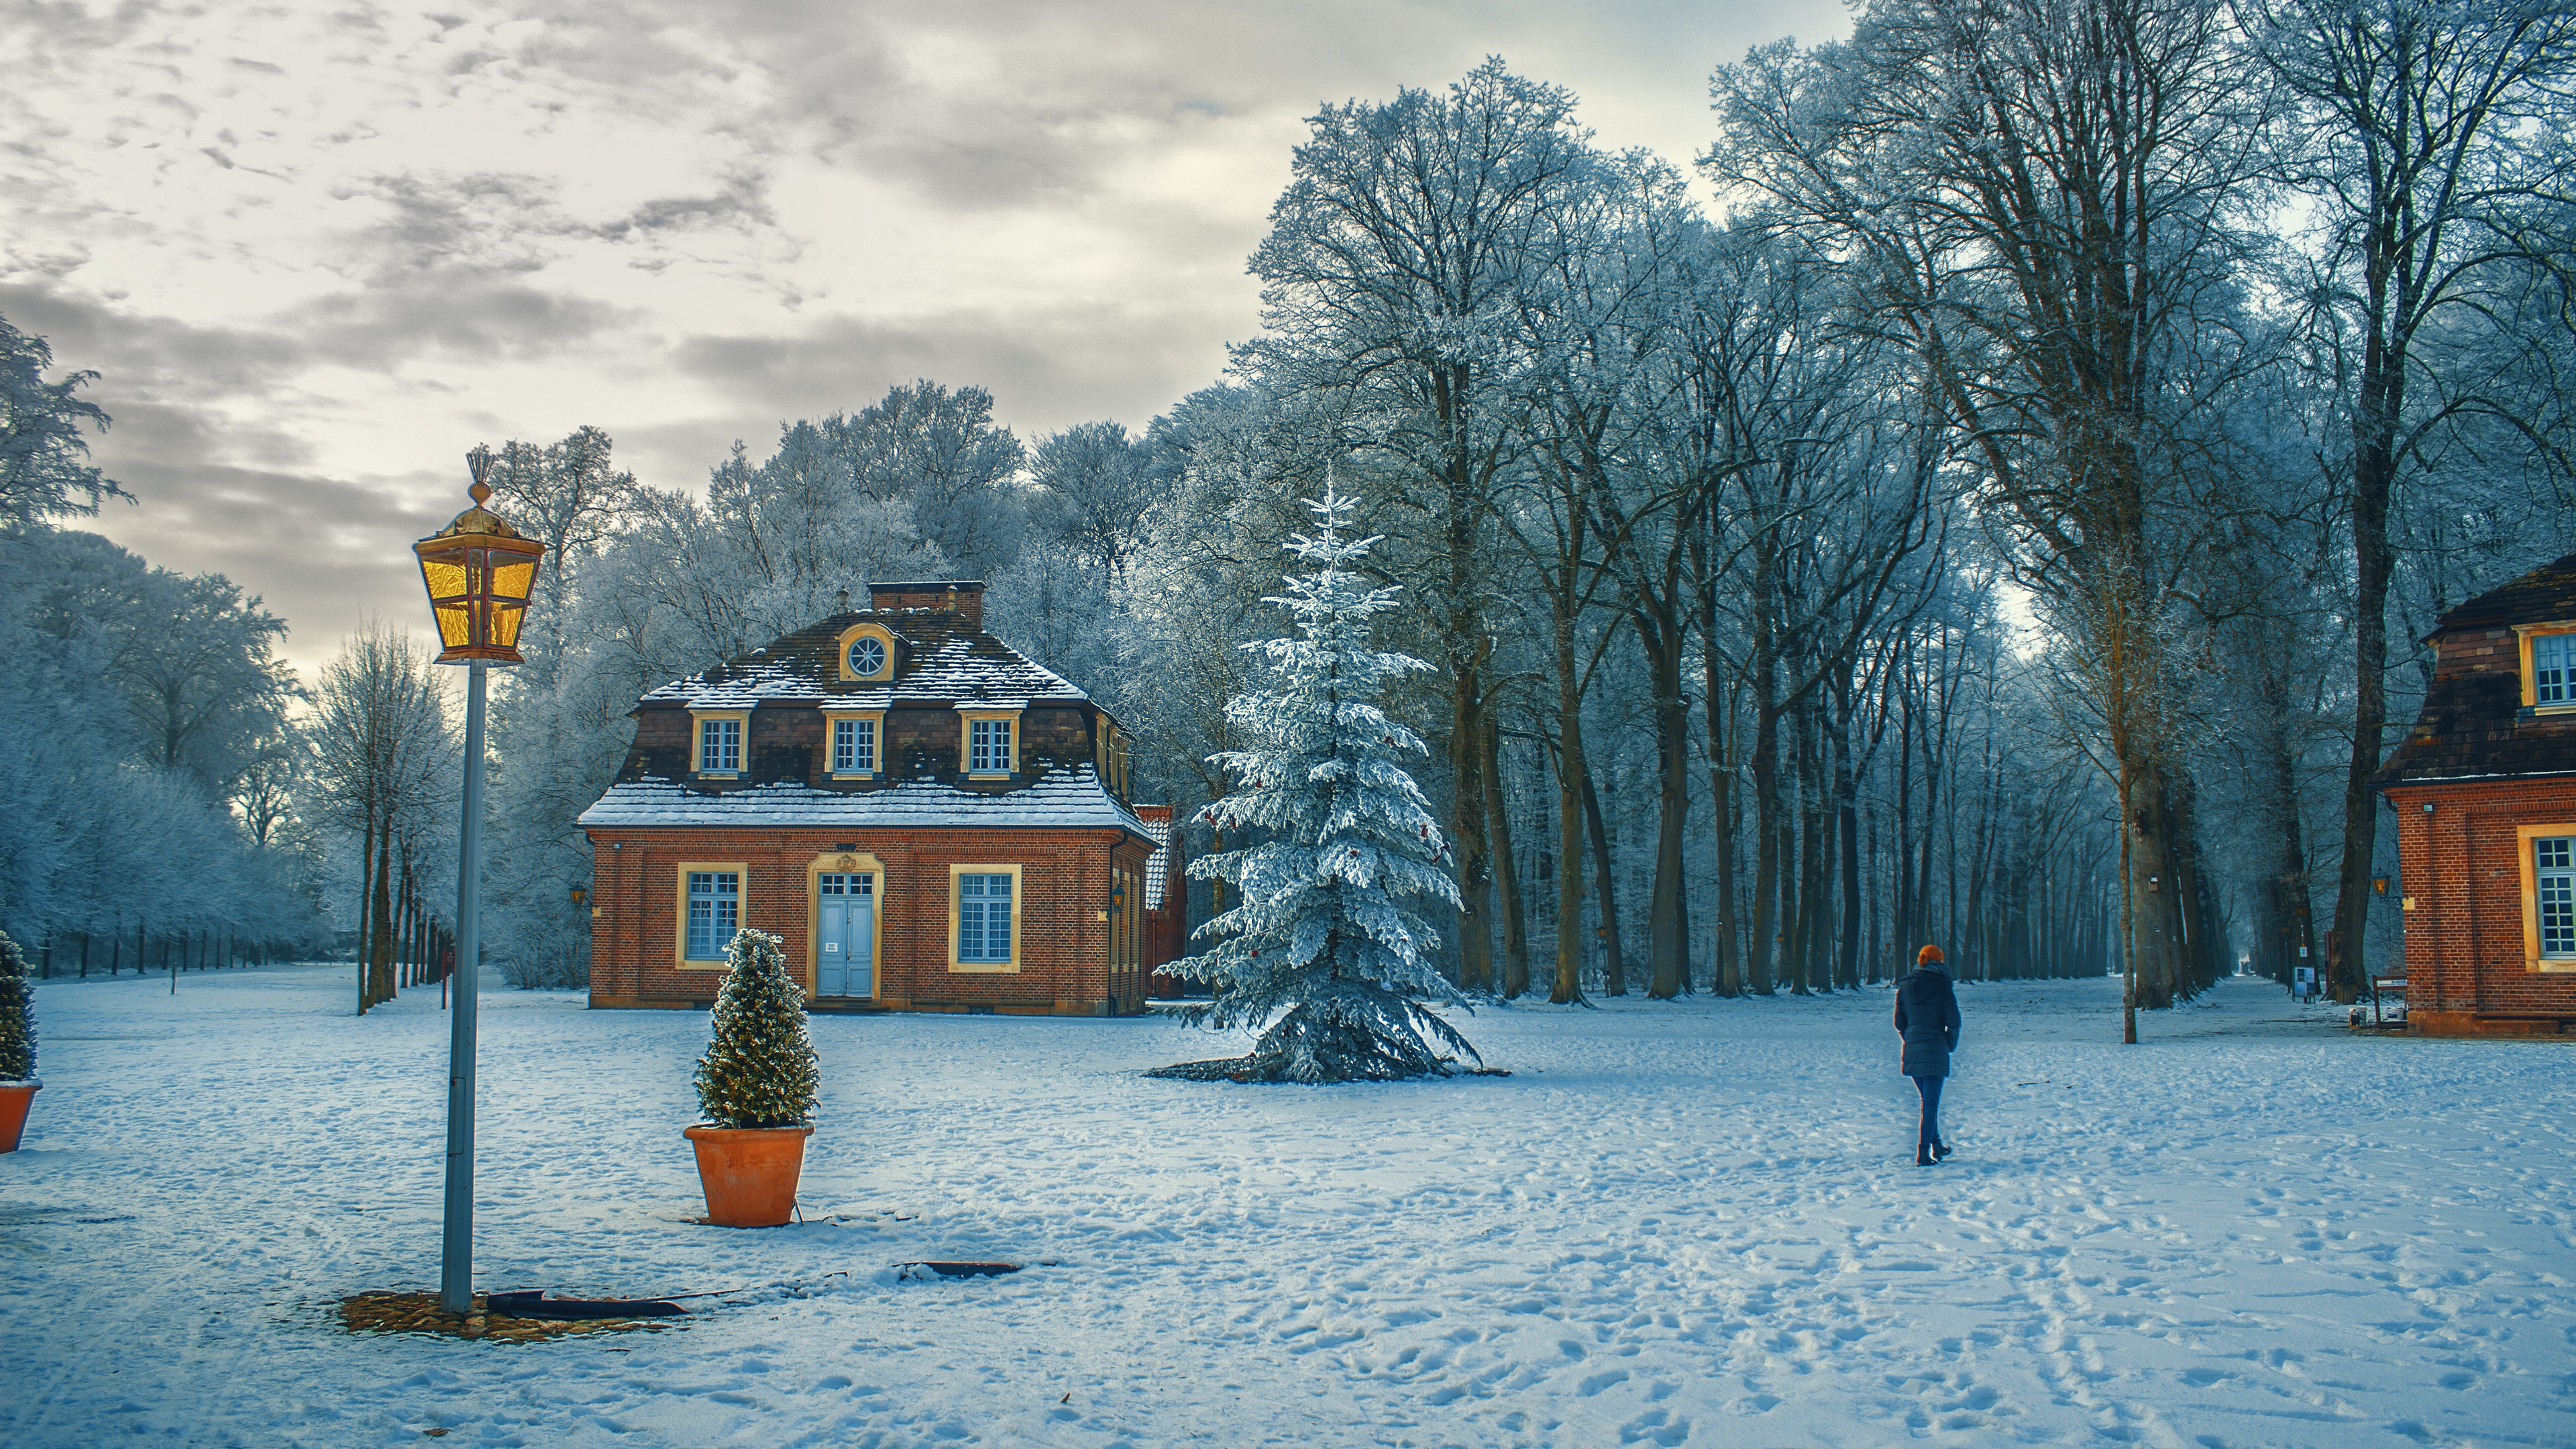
479 572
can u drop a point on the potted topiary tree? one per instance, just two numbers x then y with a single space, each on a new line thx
756 1089
18 1082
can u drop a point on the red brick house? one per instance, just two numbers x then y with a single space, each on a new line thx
2485 792
931 820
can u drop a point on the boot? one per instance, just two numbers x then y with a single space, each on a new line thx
1923 1157
1940 1150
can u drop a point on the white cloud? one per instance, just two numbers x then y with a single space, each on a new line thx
316 253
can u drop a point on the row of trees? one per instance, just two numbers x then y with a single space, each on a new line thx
147 754
1989 529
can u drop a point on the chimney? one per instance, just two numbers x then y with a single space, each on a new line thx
962 597
841 602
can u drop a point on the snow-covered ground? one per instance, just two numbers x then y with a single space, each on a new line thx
1690 1222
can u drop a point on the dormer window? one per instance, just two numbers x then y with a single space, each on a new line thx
2553 670
854 746
990 746
720 746
867 654
990 750
854 740
720 743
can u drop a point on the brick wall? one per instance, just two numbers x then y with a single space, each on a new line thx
1063 943
2461 863
2461 652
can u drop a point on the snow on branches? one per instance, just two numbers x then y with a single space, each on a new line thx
759 1067
1344 845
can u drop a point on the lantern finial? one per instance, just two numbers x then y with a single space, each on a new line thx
479 462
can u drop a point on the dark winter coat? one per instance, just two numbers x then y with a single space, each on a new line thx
1927 1016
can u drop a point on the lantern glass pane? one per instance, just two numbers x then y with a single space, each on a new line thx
445 577
511 579
454 629
505 625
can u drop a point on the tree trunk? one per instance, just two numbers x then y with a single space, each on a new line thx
1726 975
1667 928
2371 479
1572 780
1467 830
2157 929
1901 934
1614 961
366 900
1516 966
1847 814
380 951
1766 836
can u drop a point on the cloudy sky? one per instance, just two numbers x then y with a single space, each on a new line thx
316 251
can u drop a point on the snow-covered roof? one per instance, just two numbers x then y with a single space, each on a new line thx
1065 798
1159 864
942 660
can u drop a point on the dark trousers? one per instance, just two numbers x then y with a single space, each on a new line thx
1930 1132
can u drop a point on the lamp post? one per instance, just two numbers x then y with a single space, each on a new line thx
479 572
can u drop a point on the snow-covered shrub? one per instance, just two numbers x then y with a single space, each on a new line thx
17 1015
1344 842
759 1067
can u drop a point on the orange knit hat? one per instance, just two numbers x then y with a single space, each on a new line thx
1927 954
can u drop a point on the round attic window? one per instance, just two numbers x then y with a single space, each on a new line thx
867 657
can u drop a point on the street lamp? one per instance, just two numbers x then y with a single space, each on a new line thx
478 571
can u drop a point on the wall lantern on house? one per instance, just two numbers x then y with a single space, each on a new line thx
479 572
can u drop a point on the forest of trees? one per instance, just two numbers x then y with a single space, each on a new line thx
2000 517
149 760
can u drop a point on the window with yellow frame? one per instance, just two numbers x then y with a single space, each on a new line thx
2548 666
989 742
2548 896
856 740
984 911
722 742
709 911
866 654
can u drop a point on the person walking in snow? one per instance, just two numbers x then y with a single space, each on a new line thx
1927 1018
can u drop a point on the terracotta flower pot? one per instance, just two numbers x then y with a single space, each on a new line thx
13 1112
749 1173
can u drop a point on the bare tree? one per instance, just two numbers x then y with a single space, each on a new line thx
385 750
2441 166
2048 200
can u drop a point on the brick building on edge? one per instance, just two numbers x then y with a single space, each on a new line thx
930 820
2484 788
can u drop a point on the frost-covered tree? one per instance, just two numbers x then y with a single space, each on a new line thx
86 751
759 1067
42 452
17 1016
1326 932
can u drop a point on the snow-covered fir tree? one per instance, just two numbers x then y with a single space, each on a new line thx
17 1015
1327 934
759 1067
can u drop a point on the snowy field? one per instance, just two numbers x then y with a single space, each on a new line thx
1677 1223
